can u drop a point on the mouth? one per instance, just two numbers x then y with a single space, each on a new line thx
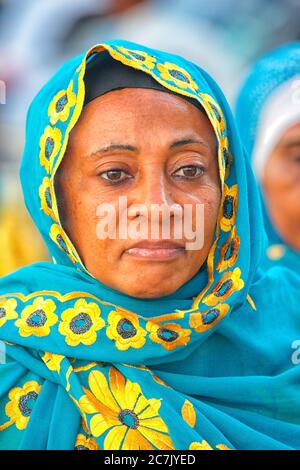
166 250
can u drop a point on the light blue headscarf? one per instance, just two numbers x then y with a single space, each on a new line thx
208 367
266 76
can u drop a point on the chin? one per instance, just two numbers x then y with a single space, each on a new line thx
153 292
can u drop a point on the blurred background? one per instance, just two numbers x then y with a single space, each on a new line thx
37 36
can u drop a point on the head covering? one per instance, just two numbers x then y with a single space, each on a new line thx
90 367
280 111
103 74
267 105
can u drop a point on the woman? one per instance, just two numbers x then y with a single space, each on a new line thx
135 343
268 116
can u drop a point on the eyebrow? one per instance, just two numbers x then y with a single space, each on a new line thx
112 147
292 142
187 141
131 148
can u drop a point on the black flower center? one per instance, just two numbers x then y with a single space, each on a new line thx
217 114
26 403
61 103
210 316
48 198
81 323
228 207
62 243
179 75
129 418
125 328
37 318
2 312
49 146
138 56
167 335
229 251
224 288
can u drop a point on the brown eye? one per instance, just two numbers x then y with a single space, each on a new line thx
114 176
189 172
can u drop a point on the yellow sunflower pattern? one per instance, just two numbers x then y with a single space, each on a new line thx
7 310
203 321
229 251
61 104
80 324
229 207
135 56
229 283
50 143
125 330
85 443
120 409
22 400
204 445
37 319
188 413
58 236
170 335
53 361
46 197
177 75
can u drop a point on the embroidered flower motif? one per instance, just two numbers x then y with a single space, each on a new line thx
22 401
140 57
170 335
37 319
214 111
203 445
188 413
227 156
177 75
59 237
81 323
202 321
53 361
45 194
85 443
60 106
229 283
132 421
7 310
229 251
50 143
222 447
125 330
229 207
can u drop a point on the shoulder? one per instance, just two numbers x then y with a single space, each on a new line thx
29 278
279 284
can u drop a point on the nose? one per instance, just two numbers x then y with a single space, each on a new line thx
153 192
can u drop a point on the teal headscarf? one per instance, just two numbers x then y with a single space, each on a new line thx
266 76
207 367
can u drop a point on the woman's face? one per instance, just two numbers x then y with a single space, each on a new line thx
281 185
154 148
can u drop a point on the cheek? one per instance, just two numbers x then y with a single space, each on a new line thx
279 175
209 200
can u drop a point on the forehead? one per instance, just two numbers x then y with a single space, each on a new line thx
291 136
145 106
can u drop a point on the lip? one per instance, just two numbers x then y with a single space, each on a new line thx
160 250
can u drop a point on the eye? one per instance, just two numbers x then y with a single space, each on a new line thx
189 172
115 175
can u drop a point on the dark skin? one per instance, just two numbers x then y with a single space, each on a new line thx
281 185
155 148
